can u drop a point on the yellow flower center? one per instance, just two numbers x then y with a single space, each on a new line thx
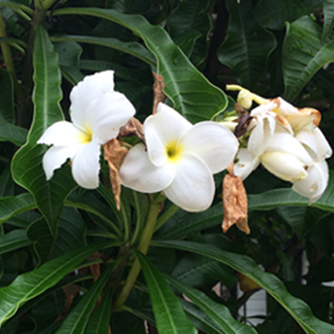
173 151
86 136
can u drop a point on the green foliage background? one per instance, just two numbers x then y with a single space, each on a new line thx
49 230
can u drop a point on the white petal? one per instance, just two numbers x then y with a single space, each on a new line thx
137 172
316 182
193 187
86 166
110 112
324 149
285 108
285 142
285 166
61 134
213 143
86 92
56 156
259 137
245 164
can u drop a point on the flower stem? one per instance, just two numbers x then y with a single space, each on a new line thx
144 244
47 4
166 216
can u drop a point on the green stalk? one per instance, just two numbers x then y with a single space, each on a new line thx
138 221
47 4
144 244
166 216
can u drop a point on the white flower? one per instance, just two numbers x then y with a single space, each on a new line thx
180 159
97 113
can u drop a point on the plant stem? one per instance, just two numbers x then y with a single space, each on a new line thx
7 54
48 3
144 244
166 216
139 226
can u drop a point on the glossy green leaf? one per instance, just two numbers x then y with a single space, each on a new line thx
133 48
12 133
13 205
303 54
299 310
6 183
193 96
6 97
219 313
169 314
32 284
328 9
76 321
99 321
273 14
247 44
27 163
13 240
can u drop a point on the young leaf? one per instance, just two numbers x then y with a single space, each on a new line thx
27 162
193 96
169 314
298 309
32 284
303 54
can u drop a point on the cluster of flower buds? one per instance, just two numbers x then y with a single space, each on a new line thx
287 142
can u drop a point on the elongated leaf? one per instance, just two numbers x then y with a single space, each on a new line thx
303 54
6 97
192 94
99 321
328 7
12 133
247 45
13 240
76 321
219 313
6 183
12 206
169 314
32 284
27 162
273 14
296 307
132 48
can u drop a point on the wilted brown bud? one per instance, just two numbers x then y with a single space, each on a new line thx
114 153
158 87
246 284
235 204
132 128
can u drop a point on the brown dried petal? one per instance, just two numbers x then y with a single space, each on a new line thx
132 128
158 87
114 153
235 204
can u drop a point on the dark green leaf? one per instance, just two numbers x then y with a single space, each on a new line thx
13 240
297 308
27 162
12 133
303 54
328 7
192 94
247 45
169 314
32 284
6 97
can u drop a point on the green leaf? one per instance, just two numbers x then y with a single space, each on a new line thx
6 183
32 284
303 54
192 95
12 133
133 48
169 314
13 240
328 10
12 206
273 285
99 321
76 321
6 97
273 14
219 313
27 163
247 44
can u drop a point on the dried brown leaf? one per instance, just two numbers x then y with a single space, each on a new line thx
132 128
246 284
114 153
235 204
158 87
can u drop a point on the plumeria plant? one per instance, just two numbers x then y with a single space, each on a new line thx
162 162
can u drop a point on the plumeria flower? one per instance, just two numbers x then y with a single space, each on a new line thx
179 159
97 113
